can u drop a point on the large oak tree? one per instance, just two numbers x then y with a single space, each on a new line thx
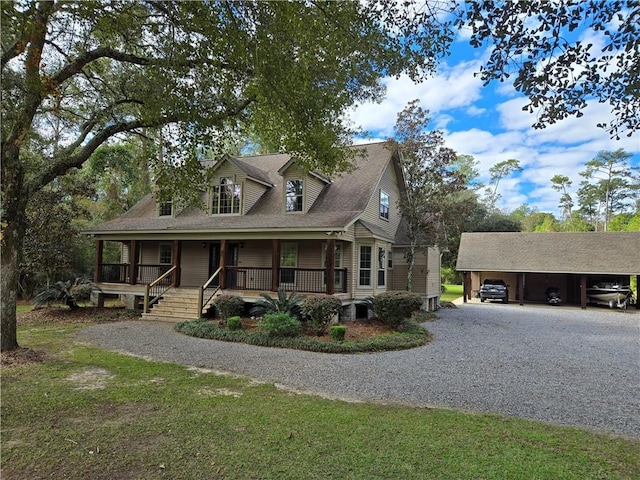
77 75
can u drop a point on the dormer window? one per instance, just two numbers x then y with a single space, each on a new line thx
293 196
384 205
165 209
226 197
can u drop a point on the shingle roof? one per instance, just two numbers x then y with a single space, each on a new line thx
614 253
339 204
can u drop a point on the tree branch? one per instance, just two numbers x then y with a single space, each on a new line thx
67 159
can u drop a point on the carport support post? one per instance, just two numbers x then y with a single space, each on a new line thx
521 289
583 292
465 286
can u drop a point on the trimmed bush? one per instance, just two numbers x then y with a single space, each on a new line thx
319 311
280 325
395 306
228 306
234 323
412 335
338 332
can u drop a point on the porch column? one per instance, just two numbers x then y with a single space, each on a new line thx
638 292
331 265
133 262
223 264
583 292
275 264
521 288
177 250
465 286
98 261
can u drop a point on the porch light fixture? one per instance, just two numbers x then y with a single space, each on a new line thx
204 244
241 244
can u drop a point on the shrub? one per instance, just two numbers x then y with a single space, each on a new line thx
412 335
338 332
320 311
283 304
280 325
228 306
395 306
69 293
234 323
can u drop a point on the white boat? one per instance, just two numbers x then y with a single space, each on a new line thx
611 294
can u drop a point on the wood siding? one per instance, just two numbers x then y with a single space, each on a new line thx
433 272
313 191
194 264
389 184
251 191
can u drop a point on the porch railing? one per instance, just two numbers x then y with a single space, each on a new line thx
208 290
114 272
121 272
306 280
311 280
154 290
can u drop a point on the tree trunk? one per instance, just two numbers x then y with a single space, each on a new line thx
411 260
13 229
8 285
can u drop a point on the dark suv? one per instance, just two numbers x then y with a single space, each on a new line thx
492 289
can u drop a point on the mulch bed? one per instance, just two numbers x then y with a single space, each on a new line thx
57 314
357 330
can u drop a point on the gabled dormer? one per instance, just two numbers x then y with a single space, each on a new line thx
300 188
236 187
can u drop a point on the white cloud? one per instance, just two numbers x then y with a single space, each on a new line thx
492 133
452 88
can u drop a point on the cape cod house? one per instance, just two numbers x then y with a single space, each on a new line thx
268 225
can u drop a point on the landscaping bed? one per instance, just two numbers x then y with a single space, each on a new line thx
361 336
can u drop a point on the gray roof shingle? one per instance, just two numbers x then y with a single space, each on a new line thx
339 204
615 253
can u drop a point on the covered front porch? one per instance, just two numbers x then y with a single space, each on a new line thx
238 265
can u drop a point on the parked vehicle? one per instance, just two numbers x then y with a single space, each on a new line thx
611 294
494 289
552 295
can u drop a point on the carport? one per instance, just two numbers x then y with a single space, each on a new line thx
531 262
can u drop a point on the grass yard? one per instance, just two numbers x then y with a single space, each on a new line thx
451 293
88 413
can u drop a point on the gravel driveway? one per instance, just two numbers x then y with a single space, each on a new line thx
559 365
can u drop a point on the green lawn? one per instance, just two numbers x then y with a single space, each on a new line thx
451 293
88 413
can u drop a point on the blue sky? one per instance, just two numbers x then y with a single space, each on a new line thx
489 124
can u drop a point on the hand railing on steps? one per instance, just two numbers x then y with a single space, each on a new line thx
208 291
157 288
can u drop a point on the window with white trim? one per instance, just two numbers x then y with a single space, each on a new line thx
294 195
226 197
364 265
384 205
165 209
165 254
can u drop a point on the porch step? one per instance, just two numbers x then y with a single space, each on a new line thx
176 305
